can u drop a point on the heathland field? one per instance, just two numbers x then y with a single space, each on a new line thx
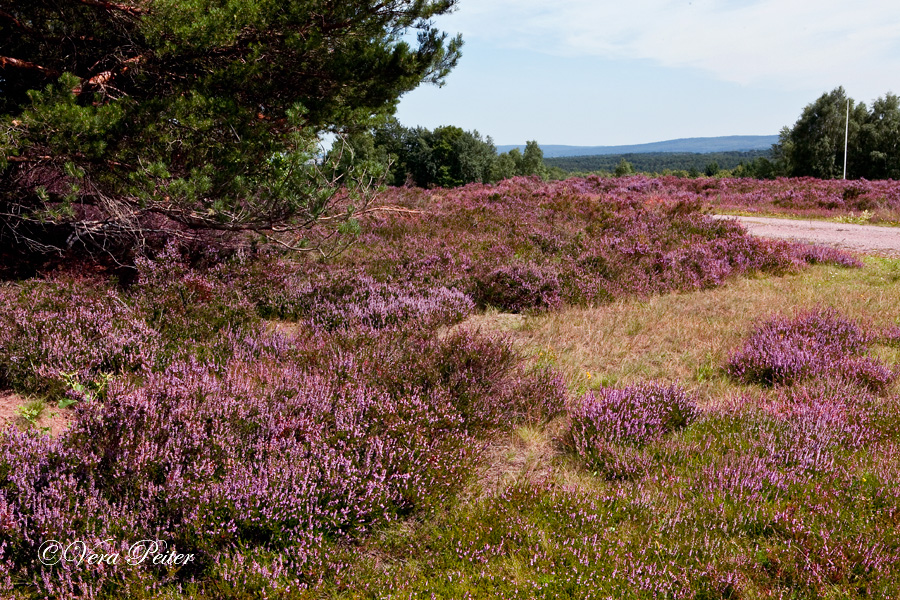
579 389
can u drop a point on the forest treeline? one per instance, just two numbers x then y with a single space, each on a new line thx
814 146
660 162
447 156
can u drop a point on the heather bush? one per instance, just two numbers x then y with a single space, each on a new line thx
833 411
876 200
610 427
54 333
867 373
525 244
483 375
272 452
341 300
828 256
187 305
815 344
890 336
517 288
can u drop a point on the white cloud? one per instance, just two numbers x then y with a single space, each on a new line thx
795 44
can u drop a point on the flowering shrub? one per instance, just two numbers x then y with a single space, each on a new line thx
610 426
188 305
342 300
862 201
815 344
270 452
831 256
890 336
518 287
57 332
524 244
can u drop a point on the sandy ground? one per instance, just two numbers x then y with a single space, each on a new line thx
861 238
58 420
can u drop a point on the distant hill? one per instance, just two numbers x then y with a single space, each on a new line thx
731 143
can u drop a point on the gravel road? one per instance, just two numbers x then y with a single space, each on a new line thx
861 238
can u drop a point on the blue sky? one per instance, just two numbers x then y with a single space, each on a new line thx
597 72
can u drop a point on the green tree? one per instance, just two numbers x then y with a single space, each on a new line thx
504 166
532 162
814 146
879 144
758 168
445 157
624 168
118 118
460 157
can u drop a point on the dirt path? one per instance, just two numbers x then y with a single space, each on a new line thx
861 238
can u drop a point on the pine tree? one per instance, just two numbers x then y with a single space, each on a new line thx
120 119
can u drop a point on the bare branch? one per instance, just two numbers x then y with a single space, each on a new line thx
7 61
114 6
17 23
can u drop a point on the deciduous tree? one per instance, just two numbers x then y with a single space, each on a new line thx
814 146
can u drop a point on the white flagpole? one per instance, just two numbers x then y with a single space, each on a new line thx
846 138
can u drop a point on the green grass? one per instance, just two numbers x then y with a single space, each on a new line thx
32 411
710 518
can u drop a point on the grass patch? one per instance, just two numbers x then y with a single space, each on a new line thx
686 337
785 492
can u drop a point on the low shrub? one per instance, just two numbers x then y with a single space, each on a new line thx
820 343
346 299
516 288
55 334
610 427
272 453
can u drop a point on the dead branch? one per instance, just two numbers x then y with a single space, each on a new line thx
102 79
8 61
17 23
114 6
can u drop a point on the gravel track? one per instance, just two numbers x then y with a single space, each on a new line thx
870 239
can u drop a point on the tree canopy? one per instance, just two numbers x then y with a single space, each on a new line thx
447 156
814 146
202 113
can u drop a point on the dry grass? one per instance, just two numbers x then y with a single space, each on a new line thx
526 455
687 337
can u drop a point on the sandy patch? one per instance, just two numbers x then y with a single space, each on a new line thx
56 419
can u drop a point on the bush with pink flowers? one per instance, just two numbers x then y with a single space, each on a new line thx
816 344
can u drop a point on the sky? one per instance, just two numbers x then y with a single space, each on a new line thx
603 73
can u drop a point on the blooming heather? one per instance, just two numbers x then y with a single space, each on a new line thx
820 343
610 424
269 415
